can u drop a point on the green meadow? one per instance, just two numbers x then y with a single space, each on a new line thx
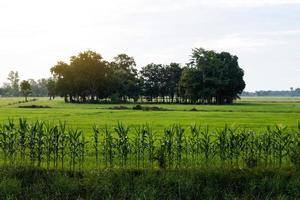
249 112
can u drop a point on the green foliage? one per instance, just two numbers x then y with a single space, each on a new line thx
48 145
210 77
25 88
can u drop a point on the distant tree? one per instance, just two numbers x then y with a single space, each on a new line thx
14 79
221 77
190 85
151 80
173 74
6 89
85 77
51 87
124 77
39 87
89 73
25 89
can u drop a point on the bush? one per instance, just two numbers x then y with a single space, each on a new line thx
137 107
149 108
34 106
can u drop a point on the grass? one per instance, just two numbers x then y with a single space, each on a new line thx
30 183
247 112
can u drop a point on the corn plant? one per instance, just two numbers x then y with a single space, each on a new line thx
96 132
56 147
150 143
207 145
82 151
32 142
179 139
74 147
161 155
122 143
8 136
294 153
140 144
168 141
108 147
281 143
49 143
23 130
194 143
63 142
40 137
251 158
222 144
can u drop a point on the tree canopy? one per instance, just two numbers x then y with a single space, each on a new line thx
209 77
212 77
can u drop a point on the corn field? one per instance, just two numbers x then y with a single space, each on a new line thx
57 146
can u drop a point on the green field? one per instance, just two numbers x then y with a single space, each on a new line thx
245 165
252 112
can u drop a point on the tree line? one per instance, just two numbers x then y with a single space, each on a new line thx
209 77
279 93
36 88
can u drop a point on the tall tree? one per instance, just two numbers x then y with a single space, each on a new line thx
151 80
222 78
90 71
191 85
62 73
173 73
124 77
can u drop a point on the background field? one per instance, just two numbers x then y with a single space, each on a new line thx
254 112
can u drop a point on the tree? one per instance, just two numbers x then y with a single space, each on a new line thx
125 83
25 89
221 77
51 87
85 77
151 80
38 88
62 73
190 85
14 79
89 74
173 73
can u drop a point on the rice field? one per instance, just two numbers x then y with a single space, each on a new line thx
250 112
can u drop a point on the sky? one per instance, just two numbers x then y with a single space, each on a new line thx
264 34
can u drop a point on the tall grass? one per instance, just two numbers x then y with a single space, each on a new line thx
51 146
